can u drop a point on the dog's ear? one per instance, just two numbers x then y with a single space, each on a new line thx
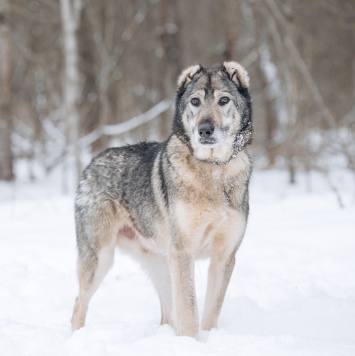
237 74
187 75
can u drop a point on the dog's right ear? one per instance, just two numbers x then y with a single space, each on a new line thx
187 75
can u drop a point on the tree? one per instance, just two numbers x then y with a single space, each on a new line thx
6 157
70 14
118 59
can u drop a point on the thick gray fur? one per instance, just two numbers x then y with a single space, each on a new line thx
169 203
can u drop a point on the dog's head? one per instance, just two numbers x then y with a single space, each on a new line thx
213 110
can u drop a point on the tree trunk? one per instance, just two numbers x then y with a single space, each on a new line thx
70 14
170 42
6 157
268 99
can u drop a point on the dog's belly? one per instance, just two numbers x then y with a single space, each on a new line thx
133 242
201 230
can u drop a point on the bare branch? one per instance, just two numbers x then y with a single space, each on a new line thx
126 126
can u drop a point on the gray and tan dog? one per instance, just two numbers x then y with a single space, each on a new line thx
170 203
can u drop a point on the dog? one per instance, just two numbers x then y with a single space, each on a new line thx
168 204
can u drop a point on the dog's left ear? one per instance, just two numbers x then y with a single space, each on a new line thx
187 75
237 73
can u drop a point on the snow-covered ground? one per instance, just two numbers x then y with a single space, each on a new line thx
292 291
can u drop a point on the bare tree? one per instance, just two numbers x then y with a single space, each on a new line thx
70 14
6 157
118 59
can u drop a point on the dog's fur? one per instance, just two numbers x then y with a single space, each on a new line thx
169 203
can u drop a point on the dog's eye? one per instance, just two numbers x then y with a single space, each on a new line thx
195 101
223 101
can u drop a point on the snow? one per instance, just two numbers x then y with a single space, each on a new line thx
292 291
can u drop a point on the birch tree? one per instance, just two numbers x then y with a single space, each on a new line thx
70 15
6 158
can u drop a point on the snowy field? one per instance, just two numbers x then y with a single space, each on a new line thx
292 291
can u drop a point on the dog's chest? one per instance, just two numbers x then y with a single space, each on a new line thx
198 226
210 186
208 205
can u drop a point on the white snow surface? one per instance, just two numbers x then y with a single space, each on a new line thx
292 291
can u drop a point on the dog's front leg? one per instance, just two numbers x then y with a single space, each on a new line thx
219 275
221 267
183 289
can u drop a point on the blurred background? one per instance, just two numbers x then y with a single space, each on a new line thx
77 76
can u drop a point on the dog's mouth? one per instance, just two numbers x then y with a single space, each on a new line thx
207 141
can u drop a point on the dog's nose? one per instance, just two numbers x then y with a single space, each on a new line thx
205 129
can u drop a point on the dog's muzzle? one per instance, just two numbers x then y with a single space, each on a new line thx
205 132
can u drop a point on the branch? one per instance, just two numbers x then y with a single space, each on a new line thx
113 130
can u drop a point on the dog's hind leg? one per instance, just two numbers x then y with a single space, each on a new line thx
96 244
91 270
158 270
155 265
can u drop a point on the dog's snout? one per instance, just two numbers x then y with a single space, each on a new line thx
205 129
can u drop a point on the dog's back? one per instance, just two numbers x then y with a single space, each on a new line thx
122 178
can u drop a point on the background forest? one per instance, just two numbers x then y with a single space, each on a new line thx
79 75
